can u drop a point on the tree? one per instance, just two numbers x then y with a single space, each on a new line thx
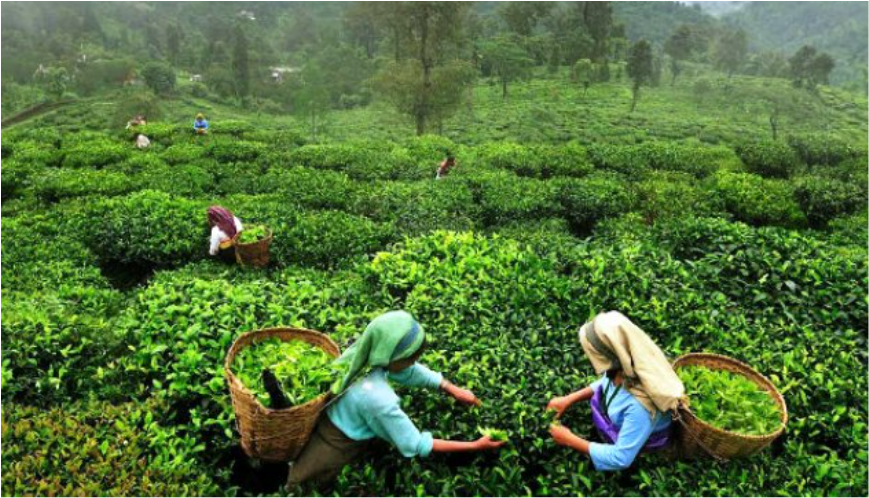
522 17
54 81
504 58
159 76
583 72
173 42
433 29
401 84
240 66
312 99
639 68
729 51
809 67
679 46
598 17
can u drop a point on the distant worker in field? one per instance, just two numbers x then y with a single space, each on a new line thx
445 166
139 120
200 125
224 226
367 408
142 142
632 402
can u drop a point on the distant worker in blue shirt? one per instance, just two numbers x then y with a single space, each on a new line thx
631 403
368 408
200 125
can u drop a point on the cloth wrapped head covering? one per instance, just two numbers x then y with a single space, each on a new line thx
223 218
390 337
200 116
611 341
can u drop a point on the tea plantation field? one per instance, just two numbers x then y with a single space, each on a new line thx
115 322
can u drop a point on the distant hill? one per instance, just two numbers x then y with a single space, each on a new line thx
839 28
655 21
718 8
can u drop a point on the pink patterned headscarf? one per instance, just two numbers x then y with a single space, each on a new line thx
223 218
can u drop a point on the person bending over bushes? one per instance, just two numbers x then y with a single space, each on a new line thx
445 166
200 125
367 408
224 226
631 403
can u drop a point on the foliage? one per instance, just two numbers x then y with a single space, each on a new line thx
730 401
160 77
769 159
823 199
304 371
756 200
252 234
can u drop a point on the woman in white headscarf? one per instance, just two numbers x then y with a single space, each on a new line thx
633 400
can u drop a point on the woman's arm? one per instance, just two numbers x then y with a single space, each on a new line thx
461 395
447 446
562 403
563 436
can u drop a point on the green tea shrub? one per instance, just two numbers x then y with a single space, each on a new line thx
816 149
505 198
97 448
311 188
304 371
588 200
59 346
281 139
328 239
429 149
227 150
58 184
163 133
36 153
17 176
187 181
232 127
756 200
95 154
362 161
537 161
730 401
137 163
146 227
420 207
769 159
37 256
664 194
697 161
181 153
618 158
823 199
236 177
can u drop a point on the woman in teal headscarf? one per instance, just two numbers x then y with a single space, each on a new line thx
368 408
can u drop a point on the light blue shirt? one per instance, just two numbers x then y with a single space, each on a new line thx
370 408
635 426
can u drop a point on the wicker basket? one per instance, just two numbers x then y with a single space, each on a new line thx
254 254
274 435
696 437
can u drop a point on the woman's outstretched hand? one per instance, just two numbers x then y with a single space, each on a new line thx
561 434
461 395
487 443
559 405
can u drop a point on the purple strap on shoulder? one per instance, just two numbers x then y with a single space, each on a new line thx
610 433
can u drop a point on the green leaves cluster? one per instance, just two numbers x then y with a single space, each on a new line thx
730 401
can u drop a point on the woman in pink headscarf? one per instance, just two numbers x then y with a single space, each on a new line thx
224 225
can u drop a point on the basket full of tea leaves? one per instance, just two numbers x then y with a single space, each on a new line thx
252 246
732 409
302 362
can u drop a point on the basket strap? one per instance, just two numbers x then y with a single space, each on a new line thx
678 417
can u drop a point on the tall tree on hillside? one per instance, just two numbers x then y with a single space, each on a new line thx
808 67
639 69
679 46
240 66
598 17
522 17
173 42
505 58
433 35
729 50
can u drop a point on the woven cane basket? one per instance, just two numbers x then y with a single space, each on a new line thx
696 437
274 435
254 254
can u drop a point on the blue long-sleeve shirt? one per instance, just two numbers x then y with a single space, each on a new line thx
635 426
200 124
370 408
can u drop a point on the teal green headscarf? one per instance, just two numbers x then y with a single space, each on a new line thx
390 337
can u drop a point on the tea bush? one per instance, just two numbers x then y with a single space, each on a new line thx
95 154
769 159
823 199
757 200
586 201
94 448
815 149
537 161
